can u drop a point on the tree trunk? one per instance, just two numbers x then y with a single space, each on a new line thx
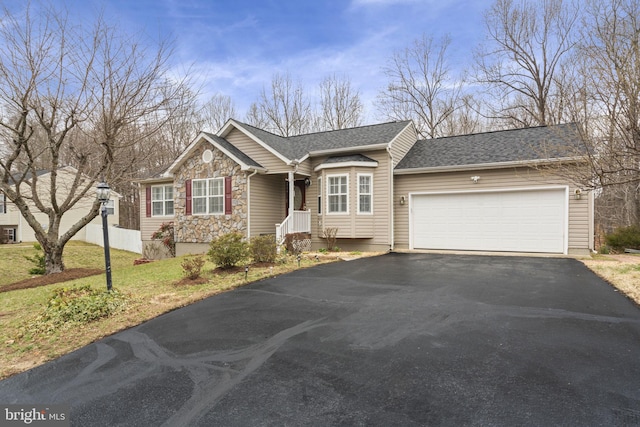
53 260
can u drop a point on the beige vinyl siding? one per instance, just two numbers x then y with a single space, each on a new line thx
149 225
258 153
401 145
371 230
267 203
579 210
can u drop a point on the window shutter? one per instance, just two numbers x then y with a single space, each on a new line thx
227 195
148 201
187 206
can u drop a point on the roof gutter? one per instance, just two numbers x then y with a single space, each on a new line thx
480 166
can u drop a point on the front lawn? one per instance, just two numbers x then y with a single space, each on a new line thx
151 289
15 267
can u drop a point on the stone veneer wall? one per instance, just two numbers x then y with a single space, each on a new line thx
204 228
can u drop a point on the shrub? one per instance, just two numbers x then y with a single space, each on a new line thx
330 234
3 236
228 250
80 305
166 234
295 242
263 248
38 260
192 267
624 237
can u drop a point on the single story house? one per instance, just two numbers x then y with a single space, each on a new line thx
380 186
17 229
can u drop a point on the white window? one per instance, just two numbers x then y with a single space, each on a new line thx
3 204
337 194
365 193
161 200
320 196
10 234
208 196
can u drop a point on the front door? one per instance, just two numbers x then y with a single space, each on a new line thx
299 195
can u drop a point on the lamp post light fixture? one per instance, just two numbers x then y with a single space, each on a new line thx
102 194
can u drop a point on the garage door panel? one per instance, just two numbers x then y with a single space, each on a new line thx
524 221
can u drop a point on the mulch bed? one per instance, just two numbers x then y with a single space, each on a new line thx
50 279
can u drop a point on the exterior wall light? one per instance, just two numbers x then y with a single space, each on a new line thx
307 182
475 179
403 200
577 194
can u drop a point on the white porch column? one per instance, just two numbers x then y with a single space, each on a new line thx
291 192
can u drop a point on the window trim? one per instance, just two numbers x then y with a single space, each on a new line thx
164 201
3 203
207 197
370 193
329 195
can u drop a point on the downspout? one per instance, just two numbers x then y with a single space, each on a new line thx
391 196
255 171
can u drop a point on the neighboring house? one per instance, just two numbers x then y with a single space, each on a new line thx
16 227
379 185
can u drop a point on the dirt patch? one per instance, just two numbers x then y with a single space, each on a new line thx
185 281
50 279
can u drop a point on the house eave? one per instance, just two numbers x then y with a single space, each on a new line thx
345 165
155 180
485 166
232 123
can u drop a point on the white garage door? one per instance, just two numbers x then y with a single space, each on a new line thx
520 221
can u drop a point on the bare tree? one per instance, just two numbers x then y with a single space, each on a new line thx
283 110
340 104
611 52
73 95
421 87
217 110
528 41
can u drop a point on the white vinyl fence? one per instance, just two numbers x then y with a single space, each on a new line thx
119 238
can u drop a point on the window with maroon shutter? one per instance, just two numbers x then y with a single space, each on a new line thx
187 184
227 195
148 201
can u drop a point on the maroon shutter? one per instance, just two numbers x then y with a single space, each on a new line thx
187 207
148 201
227 195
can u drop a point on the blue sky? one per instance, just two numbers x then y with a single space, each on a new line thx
235 47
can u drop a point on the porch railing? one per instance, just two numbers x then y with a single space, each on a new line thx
297 222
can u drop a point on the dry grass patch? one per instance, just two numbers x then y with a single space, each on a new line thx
621 271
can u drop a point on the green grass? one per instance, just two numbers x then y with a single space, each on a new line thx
14 267
151 289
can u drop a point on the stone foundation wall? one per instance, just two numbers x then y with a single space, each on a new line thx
204 228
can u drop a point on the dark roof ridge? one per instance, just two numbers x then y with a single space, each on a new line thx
349 128
499 131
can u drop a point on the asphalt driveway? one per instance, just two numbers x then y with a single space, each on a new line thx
401 339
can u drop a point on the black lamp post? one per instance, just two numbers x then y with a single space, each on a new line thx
102 194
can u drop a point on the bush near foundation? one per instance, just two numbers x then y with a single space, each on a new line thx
264 249
228 250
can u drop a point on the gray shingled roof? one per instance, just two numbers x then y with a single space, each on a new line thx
351 158
296 147
233 150
536 143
